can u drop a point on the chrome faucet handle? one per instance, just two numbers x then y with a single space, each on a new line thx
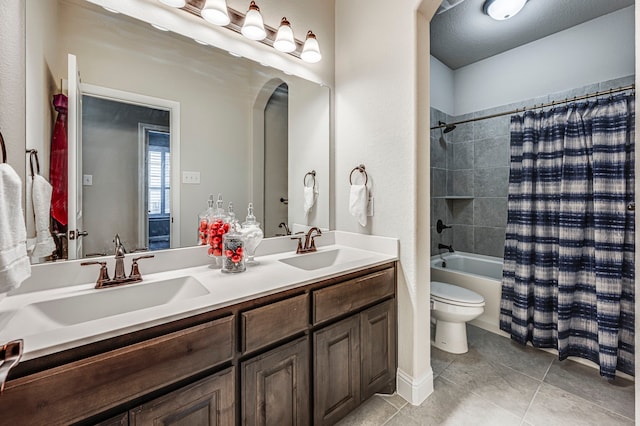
299 248
135 272
103 275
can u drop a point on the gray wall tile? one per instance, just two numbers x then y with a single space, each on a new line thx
463 238
493 152
438 182
461 212
493 182
490 212
460 156
489 241
462 132
438 150
491 128
460 182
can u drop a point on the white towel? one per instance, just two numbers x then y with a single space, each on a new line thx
310 196
14 263
43 245
358 203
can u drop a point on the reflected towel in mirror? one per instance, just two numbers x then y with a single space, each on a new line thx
14 263
42 245
310 196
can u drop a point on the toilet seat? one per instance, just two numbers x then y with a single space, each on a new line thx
455 295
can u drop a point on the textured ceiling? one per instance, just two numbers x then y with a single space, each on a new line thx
463 34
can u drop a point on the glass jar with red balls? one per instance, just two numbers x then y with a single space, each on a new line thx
233 248
218 225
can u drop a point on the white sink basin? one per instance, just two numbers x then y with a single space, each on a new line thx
323 259
102 303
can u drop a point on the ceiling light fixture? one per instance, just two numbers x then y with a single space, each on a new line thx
216 12
503 9
284 39
311 49
174 3
253 27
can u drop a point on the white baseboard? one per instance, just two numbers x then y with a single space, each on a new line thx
415 391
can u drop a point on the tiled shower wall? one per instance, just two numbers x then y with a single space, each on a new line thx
470 174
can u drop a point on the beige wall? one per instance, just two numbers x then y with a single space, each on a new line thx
377 124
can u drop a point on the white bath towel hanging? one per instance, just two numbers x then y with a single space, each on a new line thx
310 197
14 263
42 245
358 203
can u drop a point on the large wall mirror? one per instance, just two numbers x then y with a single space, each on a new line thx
163 122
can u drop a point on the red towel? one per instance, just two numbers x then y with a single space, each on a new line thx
58 169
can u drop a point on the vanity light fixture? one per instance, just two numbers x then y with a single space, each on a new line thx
284 39
216 12
503 9
174 3
311 49
253 27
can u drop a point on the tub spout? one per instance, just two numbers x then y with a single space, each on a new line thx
442 246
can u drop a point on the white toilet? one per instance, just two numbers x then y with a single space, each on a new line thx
452 307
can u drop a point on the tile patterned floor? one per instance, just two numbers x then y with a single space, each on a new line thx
499 382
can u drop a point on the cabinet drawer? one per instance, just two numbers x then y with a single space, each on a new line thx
74 391
276 321
340 299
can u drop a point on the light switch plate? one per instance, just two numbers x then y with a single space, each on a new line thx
191 177
87 180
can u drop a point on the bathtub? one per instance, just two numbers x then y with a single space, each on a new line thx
482 274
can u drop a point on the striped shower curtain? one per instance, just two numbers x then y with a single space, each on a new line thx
568 280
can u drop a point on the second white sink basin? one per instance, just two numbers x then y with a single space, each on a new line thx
103 303
323 259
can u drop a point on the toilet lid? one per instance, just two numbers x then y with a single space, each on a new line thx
454 293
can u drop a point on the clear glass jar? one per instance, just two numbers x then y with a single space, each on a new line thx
233 246
252 234
218 226
203 223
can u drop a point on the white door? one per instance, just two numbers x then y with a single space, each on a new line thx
74 148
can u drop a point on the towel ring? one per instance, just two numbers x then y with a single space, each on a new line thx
361 169
3 149
33 153
312 173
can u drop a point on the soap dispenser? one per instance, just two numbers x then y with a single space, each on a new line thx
233 246
252 234
218 226
203 223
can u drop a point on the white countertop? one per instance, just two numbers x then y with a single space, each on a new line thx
43 336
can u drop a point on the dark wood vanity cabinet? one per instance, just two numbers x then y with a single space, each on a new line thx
353 359
275 386
207 402
308 355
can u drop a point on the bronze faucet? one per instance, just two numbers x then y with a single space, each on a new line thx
120 277
309 241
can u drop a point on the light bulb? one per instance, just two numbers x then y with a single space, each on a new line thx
174 3
311 49
284 39
216 12
253 27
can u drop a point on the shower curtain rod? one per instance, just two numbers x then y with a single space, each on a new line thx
546 105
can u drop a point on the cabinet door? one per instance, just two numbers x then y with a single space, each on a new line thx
336 370
378 332
209 401
275 386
